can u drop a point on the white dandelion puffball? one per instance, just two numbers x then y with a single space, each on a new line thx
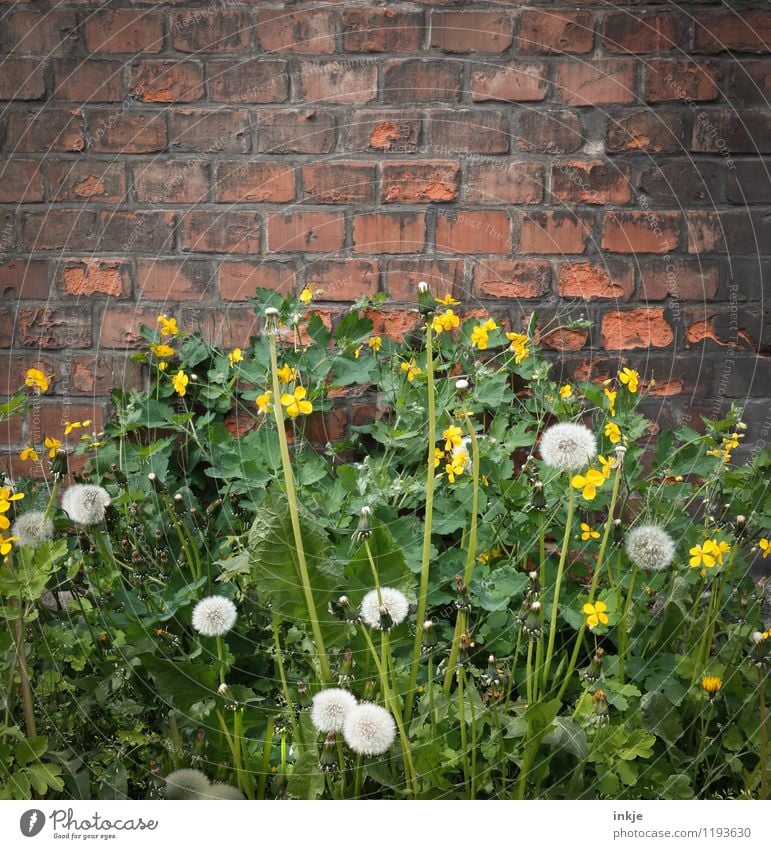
330 708
187 784
214 616
33 528
395 603
650 548
85 503
224 791
567 446
369 729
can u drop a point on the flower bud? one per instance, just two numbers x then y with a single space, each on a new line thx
461 384
620 454
425 301
364 530
156 483
59 464
532 624
618 532
601 713
303 696
328 758
271 321
428 637
538 499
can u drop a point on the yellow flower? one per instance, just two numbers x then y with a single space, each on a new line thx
588 483
4 523
519 343
765 546
611 396
613 432
711 684
168 325
453 437
411 370
163 352
489 325
456 466
446 320
296 404
235 356
28 453
53 445
375 342
263 401
6 497
357 352
70 426
479 337
35 378
566 391
180 381
447 301
629 377
703 555
588 533
438 454
286 374
5 544
606 465
720 547
306 296
595 614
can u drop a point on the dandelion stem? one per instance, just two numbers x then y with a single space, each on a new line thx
21 660
763 734
542 582
622 626
296 733
374 572
462 723
220 658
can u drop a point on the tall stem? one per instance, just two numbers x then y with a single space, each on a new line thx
21 660
264 768
622 627
763 735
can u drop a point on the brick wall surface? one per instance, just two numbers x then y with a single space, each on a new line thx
595 158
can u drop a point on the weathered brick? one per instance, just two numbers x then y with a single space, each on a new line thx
576 181
86 180
306 230
126 132
167 81
240 181
230 329
7 324
343 279
749 182
563 339
660 131
94 277
471 32
175 280
124 31
58 229
54 418
636 328
120 327
306 31
402 275
641 232
99 375
13 372
682 182
339 182
221 232
467 131
44 130
596 280
419 182
248 80
744 31
338 82
556 32
21 181
555 131
478 231
421 81
389 232
735 231
330 426
281 131
393 324
394 131
52 32
749 83
22 79
169 181
516 81
239 280
673 79
204 31
686 280
144 231
716 131
509 182
511 278
24 279
87 80
382 31
210 131
553 233
595 83
644 32
55 328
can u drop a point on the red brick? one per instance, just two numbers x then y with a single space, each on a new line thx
54 418
7 323
241 181
57 229
99 375
555 131
717 131
594 83
483 231
87 277
659 131
295 131
87 81
636 328
11 433
517 81
731 232
221 232
381 31
556 32
126 132
305 230
80 180
119 327
24 279
553 233
124 31
748 182
444 276
686 280
681 182
210 131
393 324
644 32
181 181
239 280
22 79
321 428
175 280
232 328
248 80
167 81
641 232
509 182
20 181
306 31
419 182
142 231
590 182
453 131
51 32
749 83
594 280
421 81
563 339
339 182
55 328
204 31
338 82
671 79
742 31
392 131
343 279
13 372
471 32
389 232
511 278
45 130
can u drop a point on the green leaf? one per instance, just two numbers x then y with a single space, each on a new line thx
180 683
306 781
542 714
660 717
569 736
392 569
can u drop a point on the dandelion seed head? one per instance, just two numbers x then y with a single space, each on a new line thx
568 446
224 791
33 528
394 601
214 616
369 729
85 503
330 708
187 784
650 548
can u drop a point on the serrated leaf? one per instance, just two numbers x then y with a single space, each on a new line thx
569 736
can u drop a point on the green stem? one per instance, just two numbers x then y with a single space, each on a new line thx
473 743
763 735
622 626
220 658
21 662
284 685
374 572
52 497
541 580
463 742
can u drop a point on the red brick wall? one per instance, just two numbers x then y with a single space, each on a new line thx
597 158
